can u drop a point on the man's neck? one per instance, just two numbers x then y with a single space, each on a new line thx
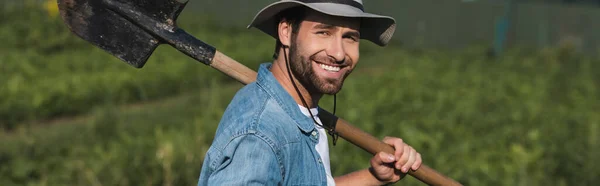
280 71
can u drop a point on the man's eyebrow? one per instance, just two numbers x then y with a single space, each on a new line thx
324 26
328 27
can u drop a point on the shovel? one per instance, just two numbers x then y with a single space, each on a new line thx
132 29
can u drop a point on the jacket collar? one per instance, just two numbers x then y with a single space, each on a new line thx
267 81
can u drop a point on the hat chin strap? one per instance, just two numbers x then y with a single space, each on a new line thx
330 129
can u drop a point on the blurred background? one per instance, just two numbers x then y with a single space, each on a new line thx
491 92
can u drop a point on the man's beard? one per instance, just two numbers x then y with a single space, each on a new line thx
302 69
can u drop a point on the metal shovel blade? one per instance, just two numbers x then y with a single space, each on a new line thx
108 24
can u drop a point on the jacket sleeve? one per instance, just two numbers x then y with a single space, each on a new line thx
247 160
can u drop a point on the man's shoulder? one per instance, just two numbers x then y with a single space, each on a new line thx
245 107
253 110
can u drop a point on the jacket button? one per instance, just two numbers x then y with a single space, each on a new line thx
314 133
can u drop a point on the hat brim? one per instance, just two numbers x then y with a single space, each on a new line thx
375 28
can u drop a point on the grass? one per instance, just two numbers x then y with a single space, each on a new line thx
113 145
480 121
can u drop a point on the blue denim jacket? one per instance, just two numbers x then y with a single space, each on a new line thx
263 139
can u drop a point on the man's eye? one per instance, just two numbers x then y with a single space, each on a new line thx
351 38
323 33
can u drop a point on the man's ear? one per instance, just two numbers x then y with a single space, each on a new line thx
284 32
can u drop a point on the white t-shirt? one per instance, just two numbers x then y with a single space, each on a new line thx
322 146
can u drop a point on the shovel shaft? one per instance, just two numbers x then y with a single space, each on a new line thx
350 133
232 68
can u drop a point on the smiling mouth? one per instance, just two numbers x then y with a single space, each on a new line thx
329 68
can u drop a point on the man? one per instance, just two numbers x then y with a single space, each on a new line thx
267 135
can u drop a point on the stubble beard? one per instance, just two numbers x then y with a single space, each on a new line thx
301 67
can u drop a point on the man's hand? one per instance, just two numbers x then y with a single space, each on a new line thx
390 168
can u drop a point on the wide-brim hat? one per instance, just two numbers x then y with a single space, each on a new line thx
375 28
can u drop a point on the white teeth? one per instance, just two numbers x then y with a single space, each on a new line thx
330 68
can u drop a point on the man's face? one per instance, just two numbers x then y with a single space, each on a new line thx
324 52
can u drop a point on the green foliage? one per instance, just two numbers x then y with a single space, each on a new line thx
524 119
47 72
147 144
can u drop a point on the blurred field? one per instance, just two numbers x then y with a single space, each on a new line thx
73 115
48 72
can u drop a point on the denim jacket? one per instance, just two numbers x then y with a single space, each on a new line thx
263 139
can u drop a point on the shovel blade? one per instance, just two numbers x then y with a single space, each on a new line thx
98 22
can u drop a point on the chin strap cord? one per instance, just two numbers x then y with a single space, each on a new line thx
330 128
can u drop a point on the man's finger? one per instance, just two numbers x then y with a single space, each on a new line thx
411 160
392 141
417 162
402 161
382 158
398 145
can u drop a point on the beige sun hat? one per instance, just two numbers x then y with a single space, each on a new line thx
375 28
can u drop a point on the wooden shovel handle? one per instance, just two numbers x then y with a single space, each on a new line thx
233 69
352 134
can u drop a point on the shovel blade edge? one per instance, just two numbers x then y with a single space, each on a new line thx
96 23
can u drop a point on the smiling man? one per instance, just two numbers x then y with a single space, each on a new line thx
270 133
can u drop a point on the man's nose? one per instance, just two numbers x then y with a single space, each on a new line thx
336 50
